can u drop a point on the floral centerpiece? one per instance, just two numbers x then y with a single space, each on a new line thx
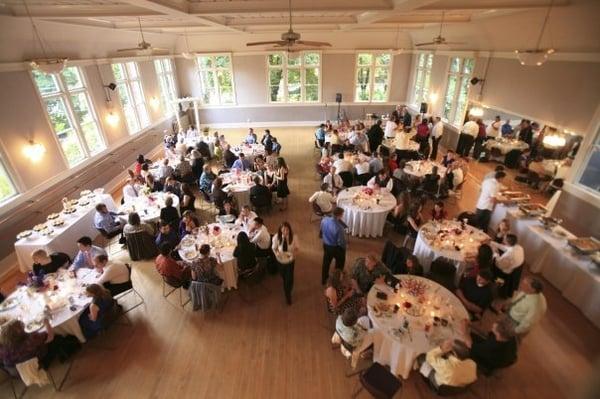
368 191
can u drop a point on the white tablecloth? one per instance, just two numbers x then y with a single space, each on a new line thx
148 207
225 243
64 238
71 292
506 145
399 351
421 168
249 150
401 142
239 184
365 218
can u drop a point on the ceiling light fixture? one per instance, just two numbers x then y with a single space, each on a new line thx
537 56
46 64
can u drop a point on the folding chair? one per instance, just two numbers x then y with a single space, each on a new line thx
206 296
127 291
379 382
316 211
174 285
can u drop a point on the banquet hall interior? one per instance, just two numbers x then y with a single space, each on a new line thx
299 198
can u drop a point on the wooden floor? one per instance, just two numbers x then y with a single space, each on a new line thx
261 348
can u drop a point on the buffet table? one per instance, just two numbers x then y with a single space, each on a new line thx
63 238
407 323
365 210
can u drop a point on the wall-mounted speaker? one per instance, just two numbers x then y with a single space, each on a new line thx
338 97
423 109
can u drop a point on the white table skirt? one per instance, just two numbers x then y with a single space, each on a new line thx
506 147
149 213
64 239
426 255
365 222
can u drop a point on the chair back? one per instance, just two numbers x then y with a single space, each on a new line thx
347 178
443 272
317 209
31 373
205 296
379 382
141 245
495 152
172 281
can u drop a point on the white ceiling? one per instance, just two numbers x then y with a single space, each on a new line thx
481 24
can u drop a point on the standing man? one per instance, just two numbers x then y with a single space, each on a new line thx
466 138
334 242
436 136
375 135
493 130
480 139
320 135
490 188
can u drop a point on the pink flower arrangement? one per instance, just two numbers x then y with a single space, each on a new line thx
216 230
367 191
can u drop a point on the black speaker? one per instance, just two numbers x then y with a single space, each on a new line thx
423 109
338 97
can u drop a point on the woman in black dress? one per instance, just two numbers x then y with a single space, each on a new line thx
281 178
245 252
188 200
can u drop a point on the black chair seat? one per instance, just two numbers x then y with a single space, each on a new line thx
379 382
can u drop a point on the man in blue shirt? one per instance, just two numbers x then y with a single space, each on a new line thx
241 163
107 221
333 235
506 129
251 137
87 253
320 135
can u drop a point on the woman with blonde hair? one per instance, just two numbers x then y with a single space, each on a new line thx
100 313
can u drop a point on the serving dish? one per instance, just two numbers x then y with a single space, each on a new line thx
532 210
585 245
25 234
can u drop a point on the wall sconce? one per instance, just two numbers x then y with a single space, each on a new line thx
112 118
433 97
154 102
554 140
34 151
476 112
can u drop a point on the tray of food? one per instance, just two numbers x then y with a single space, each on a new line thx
532 209
85 193
515 196
39 227
585 245
69 210
53 216
550 222
58 222
25 234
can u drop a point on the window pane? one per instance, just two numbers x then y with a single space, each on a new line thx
294 60
7 188
461 103
72 78
293 76
312 76
71 146
468 65
591 174
132 70
92 137
421 61
381 75
224 79
81 108
365 59
312 93
136 91
130 118
118 71
426 85
58 114
455 64
143 115
311 58
276 59
123 95
294 92
383 59
275 77
227 95
429 62
222 61
167 65
363 75
449 100
380 92
205 62
158 66
46 83
362 93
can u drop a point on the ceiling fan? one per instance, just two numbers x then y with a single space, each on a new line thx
290 39
143 47
439 40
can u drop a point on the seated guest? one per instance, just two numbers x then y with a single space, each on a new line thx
361 168
139 163
169 214
114 276
375 163
341 164
188 202
381 180
228 209
323 199
476 293
165 170
366 271
87 253
399 213
502 231
106 221
203 149
259 236
218 151
507 266
166 234
183 170
169 268
228 156
267 140
134 225
204 269
414 219
260 195
341 296
484 259
246 216
259 165
527 306
401 174
244 252
359 140
18 346
218 196
450 364
412 266
152 184
145 172
100 313
438 213
351 329
393 162
431 181
506 130
333 180
206 179
449 158
275 146
241 163
496 350
189 222
172 186
42 263
251 137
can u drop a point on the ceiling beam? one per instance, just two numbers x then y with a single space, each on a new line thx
278 6
82 11
493 5
397 6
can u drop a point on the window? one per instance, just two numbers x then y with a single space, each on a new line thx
216 79
295 78
70 112
457 89
131 95
373 72
590 175
422 78
7 187
166 81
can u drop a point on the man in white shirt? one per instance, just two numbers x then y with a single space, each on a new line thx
508 264
165 170
362 167
359 140
259 236
129 190
114 276
467 137
493 129
341 165
527 306
490 188
381 180
246 217
323 199
333 180
436 136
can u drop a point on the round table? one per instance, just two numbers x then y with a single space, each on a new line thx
401 333
238 183
66 303
365 210
249 150
147 206
449 239
506 145
224 242
421 168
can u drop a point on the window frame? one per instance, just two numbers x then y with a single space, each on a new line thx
372 66
64 94
594 146
169 108
421 95
215 69
302 68
127 83
456 118
5 165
